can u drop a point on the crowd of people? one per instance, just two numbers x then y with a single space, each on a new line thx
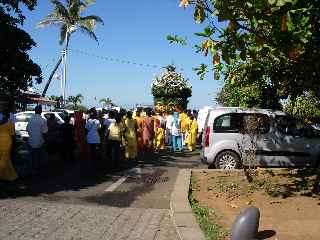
112 136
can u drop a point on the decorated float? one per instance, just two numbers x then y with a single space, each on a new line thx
171 91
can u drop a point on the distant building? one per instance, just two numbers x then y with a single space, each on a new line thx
23 99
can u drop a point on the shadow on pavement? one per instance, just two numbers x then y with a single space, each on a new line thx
82 175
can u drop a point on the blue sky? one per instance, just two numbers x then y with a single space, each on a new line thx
133 31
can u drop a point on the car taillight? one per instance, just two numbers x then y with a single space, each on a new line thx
206 137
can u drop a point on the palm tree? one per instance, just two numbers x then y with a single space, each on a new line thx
57 99
69 18
75 101
106 102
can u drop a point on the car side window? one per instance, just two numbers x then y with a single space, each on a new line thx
227 123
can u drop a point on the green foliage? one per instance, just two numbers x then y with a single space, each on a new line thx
270 45
17 70
106 102
69 18
304 107
57 99
201 71
171 89
74 102
176 39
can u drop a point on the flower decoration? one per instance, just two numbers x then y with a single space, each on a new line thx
170 90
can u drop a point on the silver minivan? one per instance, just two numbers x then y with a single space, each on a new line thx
282 140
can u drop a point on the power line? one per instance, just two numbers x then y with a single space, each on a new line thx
149 65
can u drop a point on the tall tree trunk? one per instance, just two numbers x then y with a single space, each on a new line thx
65 67
51 76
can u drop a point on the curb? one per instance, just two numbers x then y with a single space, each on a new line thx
184 221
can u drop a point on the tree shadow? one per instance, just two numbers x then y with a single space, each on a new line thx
303 181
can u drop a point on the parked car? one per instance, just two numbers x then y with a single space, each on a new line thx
281 141
202 116
22 119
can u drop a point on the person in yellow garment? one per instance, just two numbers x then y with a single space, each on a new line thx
7 134
131 128
139 120
192 134
159 132
184 126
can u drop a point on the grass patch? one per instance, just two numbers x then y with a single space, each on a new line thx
206 217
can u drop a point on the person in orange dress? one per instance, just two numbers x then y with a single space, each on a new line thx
148 132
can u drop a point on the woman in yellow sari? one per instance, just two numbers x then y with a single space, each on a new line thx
192 134
7 133
139 120
131 127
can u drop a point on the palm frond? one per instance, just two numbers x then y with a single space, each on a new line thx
79 96
51 19
61 10
90 33
89 2
74 10
85 4
96 18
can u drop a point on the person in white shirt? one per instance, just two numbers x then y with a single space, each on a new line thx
107 122
176 133
93 137
169 120
36 128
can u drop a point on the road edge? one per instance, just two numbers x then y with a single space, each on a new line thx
184 221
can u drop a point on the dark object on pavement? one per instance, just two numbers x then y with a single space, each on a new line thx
246 225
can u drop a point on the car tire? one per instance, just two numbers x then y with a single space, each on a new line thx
227 160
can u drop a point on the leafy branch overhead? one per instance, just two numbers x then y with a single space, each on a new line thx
176 39
272 43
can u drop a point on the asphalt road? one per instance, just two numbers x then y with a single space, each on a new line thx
66 199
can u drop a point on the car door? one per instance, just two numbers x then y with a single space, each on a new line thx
296 149
259 143
21 122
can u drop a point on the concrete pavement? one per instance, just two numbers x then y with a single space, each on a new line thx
71 205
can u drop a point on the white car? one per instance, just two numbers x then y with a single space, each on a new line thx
21 121
283 141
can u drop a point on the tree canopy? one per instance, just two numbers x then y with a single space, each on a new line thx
74 102
69 18
17 70
106 102
262 48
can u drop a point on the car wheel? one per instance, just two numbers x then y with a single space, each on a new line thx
227 160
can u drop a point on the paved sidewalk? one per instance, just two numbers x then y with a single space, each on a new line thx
26 220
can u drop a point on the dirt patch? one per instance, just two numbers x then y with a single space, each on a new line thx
288 200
